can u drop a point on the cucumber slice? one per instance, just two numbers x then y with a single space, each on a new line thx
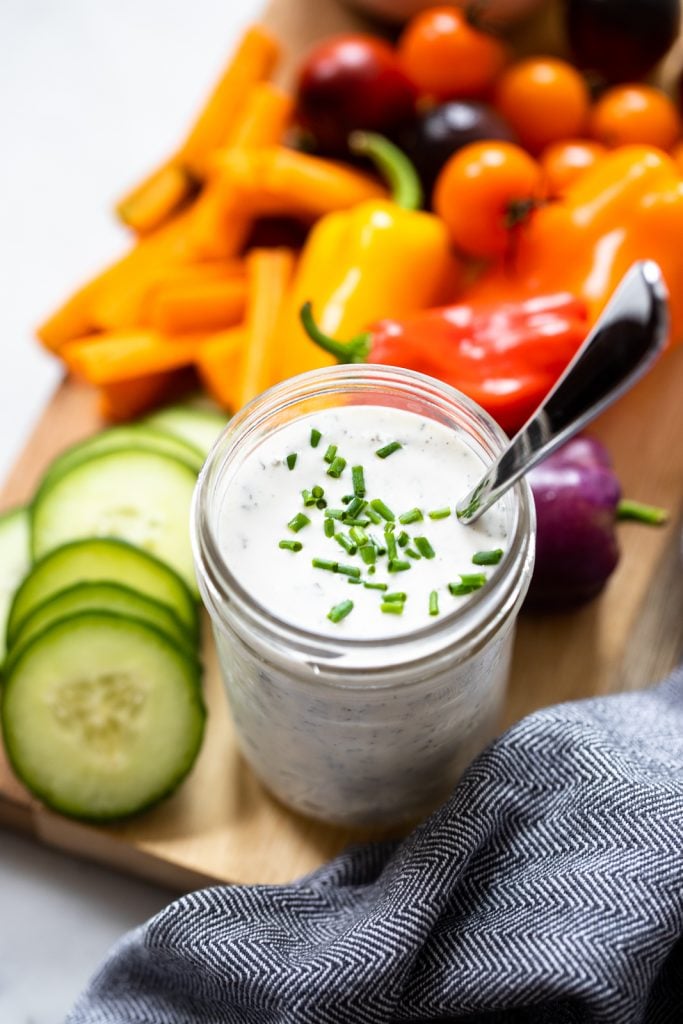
102 716
15 559
200 427
101 559
103 596
141 497
131 436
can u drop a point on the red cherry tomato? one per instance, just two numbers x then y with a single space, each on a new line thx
352 82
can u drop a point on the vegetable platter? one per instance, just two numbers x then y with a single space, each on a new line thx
221 824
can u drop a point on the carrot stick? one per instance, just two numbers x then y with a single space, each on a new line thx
197 306
124 355
269 272
264 118
219 362
123 400
153 201
208 270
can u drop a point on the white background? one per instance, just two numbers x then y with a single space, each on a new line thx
92 94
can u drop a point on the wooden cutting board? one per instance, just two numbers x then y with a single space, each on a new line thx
222 825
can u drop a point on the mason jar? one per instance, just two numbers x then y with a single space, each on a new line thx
361 731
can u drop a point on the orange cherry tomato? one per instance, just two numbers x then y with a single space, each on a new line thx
446 57
677 156
564 162
483 192
544 100
639 114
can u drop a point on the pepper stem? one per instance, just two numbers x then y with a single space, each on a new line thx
354 351
392 164
640 513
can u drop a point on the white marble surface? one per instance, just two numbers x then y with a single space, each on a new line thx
92 94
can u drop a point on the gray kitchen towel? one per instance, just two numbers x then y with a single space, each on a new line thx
548 890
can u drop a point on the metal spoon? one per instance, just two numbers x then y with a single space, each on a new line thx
624 343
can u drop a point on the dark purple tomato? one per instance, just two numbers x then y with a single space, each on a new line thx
621 40
434 135
352 82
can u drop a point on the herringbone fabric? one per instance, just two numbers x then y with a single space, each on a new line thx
548 890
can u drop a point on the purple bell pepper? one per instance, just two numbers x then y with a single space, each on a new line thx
578 503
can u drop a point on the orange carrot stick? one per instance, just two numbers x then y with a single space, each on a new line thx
197 306
153 201
219 362
124 355
269 272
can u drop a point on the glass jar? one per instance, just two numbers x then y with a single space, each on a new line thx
361 732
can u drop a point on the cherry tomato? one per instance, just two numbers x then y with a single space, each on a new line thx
635 113
564 162
545 100
351 82
483 192
447 57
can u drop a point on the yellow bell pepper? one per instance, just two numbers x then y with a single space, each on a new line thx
380 258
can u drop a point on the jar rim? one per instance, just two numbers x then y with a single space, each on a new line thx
221 585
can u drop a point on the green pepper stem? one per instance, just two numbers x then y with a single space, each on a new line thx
640 513
354 351
392 164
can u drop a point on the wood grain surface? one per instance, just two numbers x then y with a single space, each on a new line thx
222 825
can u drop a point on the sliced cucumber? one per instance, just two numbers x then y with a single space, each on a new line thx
132 436
101 559
15 559
103 596
140 496
102 715
200 427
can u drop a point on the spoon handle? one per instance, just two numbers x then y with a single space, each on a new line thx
626 339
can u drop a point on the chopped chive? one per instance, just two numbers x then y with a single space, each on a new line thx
334 513
391 609
330 453
358 535
388 449
315 438
433 603
340 611
348 570
368 554
398 596
358 478
439 513
308 498
347 499
353 579
413 516
391 545
324 563
398 565
403 539
473 579
337 468
424 547
298 522
652 515
349 547
375 586
378 546
363 521
412 553
374 517
317 491
383 510
371 570
328 527
355 506
290 545
291 460
321 503
487 557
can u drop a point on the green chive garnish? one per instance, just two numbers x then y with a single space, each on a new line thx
328 527
487 557
290 545
298 522
391 609
439 513
355 506
334 513
375 586
399 596
337 468
330 453
652 515
469 582
349 547
371 570
403 539
321 503
383 509
324 563
340 611
347 499
358 535
391 544
374 517
424 547
433 603
348 570
357 522
398 565
291 460
378 546
388 449
368 554
317 492
412 553
358 478
308 498
315 438
352 579
413 516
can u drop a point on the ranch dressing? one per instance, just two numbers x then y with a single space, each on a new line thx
433 467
